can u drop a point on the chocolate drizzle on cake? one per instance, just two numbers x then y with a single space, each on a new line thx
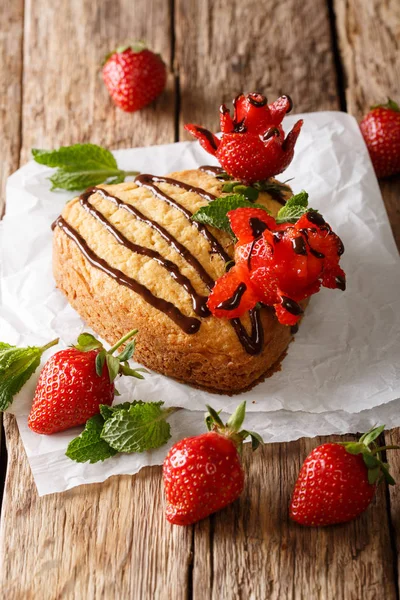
187 324
252 343
234 301
199 302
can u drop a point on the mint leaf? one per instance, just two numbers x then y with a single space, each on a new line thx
140 428
215 213
89 446
108 411
80 166
294 208
17 365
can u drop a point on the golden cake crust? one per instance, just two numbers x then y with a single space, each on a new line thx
213 358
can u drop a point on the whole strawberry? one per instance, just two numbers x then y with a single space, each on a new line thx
203 474
74 382
134 76
381 132
337 482
253 146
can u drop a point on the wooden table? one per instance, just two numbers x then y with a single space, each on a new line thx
111 540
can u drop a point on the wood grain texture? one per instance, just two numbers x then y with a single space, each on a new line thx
369 41
12 16
253 550
105 540
223 48
109 540
65 100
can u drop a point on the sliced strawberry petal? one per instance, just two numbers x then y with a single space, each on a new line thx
232 294
225 119
208 140
278 109
249 223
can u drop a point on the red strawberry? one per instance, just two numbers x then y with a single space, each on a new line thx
134 76
203 474
381 132
74 382
253 146
337 482
278 264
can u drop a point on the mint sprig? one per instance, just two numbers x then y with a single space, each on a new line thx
89 446
294 208
215 213
81 166
17 365
128 427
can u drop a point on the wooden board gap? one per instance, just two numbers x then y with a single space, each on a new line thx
340 76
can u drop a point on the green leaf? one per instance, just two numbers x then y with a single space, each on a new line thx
113 365
78 157
276 189
372 435
354 447
126 370
128 352
17 365
213 416
236 419
138 429
100 360
215 213
89 446
390 104
87 342
370 460
373 475
80 166
294 208
236 187
108 411
385 470
256 440
247 191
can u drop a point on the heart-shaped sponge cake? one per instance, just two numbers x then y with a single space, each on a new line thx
129 256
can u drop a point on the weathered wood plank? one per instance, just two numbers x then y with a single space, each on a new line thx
252 550
11 30
275 48
369 40
109 540
11 33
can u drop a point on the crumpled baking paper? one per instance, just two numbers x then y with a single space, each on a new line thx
341 372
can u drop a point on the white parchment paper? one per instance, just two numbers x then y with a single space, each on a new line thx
341 373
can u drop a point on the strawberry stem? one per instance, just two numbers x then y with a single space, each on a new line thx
50 344
382 448
122 341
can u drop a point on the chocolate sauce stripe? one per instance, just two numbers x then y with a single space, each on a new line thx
177 246
198 301
188 324
147 181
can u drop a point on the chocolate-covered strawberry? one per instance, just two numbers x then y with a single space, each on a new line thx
253 145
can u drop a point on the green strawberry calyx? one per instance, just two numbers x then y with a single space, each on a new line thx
231 429
135 46
116 365
390 105
378 470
